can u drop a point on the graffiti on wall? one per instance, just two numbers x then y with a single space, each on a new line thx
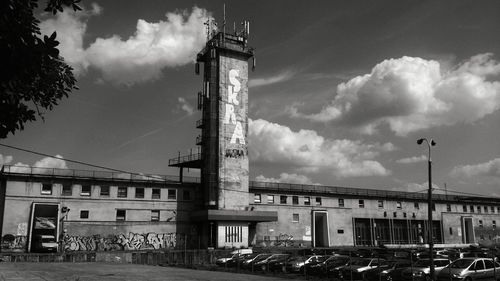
121 242
12 242
281 240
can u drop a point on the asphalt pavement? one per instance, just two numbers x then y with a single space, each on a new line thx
115 271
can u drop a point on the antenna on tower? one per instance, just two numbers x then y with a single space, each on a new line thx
224 20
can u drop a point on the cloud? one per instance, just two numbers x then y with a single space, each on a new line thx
172 42
308 152
41 166
281 77
490 168
411 94
287 178
419 188
411 160
184 105
4 160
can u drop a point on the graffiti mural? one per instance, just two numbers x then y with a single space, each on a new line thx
123 242
14 243
281 240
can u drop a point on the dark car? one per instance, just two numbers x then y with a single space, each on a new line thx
298 263
45 243
249 263
238 261
421 269
332 262
357 267
383 272
266 263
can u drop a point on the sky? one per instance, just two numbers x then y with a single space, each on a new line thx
341 92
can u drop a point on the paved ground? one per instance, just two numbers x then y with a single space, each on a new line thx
109 271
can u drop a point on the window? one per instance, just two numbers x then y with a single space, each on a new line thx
104 190
256 198
307 200
480 223
67 190
395 214
416 205
122 192
498 209
404 215
488 264
172 194
85 190
186 195
399 206
155 193
494 224
471 208
492 209
155 215
295 200
479 209
448 207
451 230
139 192
318 201
121 215
84 214
283 199
340 231
295 217
464 208
341 202
380 204
270 199
433 206
486 209
361 203
46 189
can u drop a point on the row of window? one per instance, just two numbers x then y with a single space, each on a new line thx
122 191
121 215
284 199
361 203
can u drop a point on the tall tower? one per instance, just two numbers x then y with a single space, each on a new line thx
226 217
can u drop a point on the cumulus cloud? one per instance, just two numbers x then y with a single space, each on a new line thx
41 166
172 42
309 152
281 77
419 188
411 160
185 106
287 178
410 94
490 168
4 160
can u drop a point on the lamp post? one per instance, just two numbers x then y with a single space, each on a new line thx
430 143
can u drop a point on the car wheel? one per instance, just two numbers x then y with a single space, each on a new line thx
468 279
427 278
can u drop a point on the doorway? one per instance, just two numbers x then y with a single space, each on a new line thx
320 229
44 225
468 230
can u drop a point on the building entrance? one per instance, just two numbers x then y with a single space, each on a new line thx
320 229
44 226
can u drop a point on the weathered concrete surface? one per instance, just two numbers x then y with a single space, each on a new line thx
108 271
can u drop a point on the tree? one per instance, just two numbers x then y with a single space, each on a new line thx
33 76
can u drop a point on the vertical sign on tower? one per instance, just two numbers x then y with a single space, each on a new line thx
233 127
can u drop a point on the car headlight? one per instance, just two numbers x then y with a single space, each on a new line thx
455 275
384 272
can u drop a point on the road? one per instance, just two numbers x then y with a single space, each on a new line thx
115 271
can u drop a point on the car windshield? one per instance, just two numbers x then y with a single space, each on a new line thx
360 262
48 240
262 257
461 263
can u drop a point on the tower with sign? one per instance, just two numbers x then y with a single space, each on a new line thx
226 219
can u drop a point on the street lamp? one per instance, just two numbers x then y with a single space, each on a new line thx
430 143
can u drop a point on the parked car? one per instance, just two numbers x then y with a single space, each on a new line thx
278 263
298 263
264 264
232 256
383 272
249 263
358 266
331 263
45 243
421 269
238 261
470 269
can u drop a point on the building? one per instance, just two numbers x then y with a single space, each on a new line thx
101 211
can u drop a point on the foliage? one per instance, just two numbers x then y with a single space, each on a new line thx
33 75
